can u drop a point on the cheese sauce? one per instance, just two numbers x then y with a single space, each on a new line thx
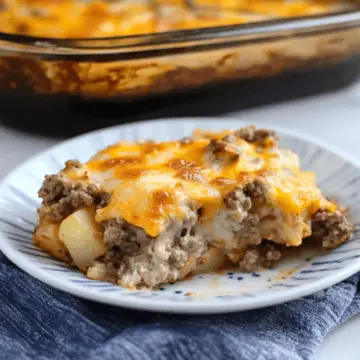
152 183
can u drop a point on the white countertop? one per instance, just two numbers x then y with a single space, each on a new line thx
334 117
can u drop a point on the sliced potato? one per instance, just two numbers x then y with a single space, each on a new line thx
213 260
83 237
189 266
46 237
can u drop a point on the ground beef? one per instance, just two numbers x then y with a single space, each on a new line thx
253 135
119 234
332 229
223 151
260 257
255 190
61 196
248 232
242 197
72 164
141 260
242 219
237 199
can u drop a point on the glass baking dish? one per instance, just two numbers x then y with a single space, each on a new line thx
133 67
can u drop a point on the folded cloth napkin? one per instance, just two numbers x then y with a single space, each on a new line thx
39 322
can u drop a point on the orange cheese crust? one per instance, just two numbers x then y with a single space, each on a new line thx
150 184
95 18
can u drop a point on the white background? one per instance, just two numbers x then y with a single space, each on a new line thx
333 117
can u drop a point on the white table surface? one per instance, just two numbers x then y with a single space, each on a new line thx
334 117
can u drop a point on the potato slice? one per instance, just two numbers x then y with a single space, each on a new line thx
46 237
189 266
83 237
213 260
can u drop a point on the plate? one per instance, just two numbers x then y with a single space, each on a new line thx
338 175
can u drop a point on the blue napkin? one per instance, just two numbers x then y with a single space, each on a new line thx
39 322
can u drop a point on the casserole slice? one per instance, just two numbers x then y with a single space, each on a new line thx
142 214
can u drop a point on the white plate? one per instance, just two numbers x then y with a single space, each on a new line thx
338 175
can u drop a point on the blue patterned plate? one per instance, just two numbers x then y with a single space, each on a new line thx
338 175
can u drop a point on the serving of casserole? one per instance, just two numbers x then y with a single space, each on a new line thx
146 213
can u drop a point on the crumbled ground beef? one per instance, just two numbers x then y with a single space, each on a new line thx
120 234
248 231
61 196
332 229
255 190
141 260
242 197
243 219
72 164
223 151
260 257
240 219
237 199
253 135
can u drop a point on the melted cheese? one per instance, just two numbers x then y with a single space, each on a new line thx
151 184
99 18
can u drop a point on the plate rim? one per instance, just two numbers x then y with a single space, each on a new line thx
166 305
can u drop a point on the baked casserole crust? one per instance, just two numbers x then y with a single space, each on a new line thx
105 18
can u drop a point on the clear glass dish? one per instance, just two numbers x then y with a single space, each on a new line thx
133 67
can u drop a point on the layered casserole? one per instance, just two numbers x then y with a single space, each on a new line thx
142 214
125 50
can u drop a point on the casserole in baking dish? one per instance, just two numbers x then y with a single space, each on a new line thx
104 18
132 49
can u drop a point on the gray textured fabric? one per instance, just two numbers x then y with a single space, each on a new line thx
38 322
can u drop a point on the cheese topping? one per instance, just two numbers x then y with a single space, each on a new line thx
100 18
150 184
